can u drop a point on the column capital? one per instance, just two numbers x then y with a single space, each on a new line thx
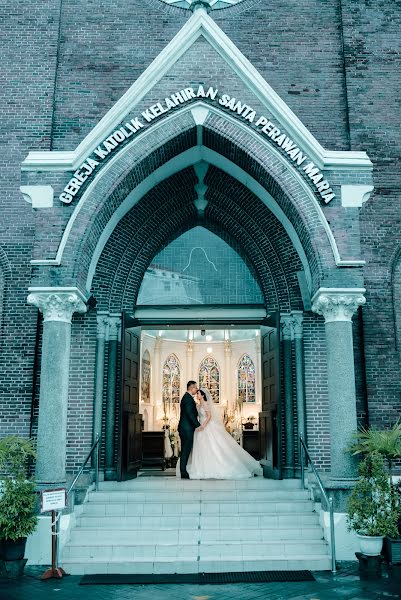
297 324
57 304
338 304
286 326
114 327
190 346
227 346
102 324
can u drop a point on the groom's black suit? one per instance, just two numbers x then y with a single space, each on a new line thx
186 427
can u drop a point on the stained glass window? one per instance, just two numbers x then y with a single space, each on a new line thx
246 380
145 382
171 380
209 377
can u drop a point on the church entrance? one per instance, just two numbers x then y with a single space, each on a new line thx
238 363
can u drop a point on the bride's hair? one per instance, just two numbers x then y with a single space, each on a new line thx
203 395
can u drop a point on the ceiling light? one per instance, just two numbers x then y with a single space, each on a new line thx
209 338
209 349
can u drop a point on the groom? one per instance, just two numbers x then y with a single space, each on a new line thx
187 425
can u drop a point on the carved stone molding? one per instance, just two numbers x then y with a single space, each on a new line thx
114 327
338 304
286 326
102 325
297 324
57 305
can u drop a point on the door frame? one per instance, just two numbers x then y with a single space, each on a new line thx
197 317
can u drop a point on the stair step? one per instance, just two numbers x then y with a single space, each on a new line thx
245 520
196 495
205 551
194 508
295 563
85 535
171 483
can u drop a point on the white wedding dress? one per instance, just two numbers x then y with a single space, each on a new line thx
216 455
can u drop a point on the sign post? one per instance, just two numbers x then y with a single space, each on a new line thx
53 501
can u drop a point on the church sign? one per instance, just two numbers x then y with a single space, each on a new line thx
246 112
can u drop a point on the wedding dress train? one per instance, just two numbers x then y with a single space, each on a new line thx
216 455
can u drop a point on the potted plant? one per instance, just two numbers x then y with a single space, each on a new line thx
250 423
17 497
388 443
373 510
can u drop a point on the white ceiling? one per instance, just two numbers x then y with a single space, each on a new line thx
218 335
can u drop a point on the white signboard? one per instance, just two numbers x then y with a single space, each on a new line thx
53 500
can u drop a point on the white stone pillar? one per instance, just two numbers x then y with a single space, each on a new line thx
157 373
286 332
190 360
57 307
338 306
229 371
258 366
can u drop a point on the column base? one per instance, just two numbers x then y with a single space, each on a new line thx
110 474
288 472
339 489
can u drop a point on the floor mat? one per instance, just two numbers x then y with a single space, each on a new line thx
199 578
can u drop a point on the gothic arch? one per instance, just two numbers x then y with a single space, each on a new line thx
122 183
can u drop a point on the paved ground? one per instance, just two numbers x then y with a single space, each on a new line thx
346 585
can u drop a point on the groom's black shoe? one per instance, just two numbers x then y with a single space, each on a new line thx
184 476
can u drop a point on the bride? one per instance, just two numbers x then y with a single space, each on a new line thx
215 454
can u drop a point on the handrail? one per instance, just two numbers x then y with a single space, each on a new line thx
95 446
329 500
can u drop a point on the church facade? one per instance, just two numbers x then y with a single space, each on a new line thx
274 128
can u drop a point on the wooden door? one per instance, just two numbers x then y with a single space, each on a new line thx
270 417
130 455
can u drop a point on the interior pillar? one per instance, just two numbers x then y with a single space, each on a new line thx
286 331
228 369
114 329
57 308
156 372
298 330
338 306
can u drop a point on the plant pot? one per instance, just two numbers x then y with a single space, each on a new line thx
370 545
392 550
249 425
10 550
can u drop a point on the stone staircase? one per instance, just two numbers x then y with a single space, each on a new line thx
165 525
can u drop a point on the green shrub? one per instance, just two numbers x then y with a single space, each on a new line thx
373 506
17 497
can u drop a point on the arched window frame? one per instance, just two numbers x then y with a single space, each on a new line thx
245 379
211 382
171 389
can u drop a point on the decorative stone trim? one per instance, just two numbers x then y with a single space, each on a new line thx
57 305
297 324
200 24
40 196
354 196
102 325
338 304
114 327
286 326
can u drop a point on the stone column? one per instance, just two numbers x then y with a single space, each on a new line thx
286 331
102 324
338 306
114 330
57 307
298 330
